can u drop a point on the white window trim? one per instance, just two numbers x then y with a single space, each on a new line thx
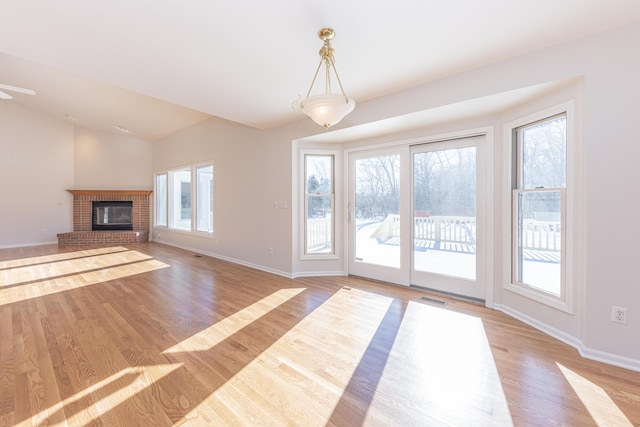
155 200
337 167
194 201
195 208
565 302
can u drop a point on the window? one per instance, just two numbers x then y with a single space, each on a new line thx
540 153
180 199
161 199
204 188
319 218
184 199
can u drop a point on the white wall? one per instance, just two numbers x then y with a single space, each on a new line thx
612 138
251 171
106 161
36 167
41 159
608 150
254 168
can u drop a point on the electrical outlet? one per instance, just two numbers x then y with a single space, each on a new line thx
619 315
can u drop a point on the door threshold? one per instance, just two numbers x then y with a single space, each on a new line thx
451 295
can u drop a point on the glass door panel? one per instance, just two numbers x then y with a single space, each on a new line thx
378 232
444 215
416 215
377 210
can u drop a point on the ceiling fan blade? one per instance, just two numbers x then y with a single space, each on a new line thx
5 95
17 89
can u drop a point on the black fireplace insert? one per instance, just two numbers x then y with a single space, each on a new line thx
111 215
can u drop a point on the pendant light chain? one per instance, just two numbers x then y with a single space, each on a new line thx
326 109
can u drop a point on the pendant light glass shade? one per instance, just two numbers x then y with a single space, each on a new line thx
326 109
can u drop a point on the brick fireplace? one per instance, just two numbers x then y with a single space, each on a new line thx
83 234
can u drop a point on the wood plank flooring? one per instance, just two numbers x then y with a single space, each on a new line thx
150 335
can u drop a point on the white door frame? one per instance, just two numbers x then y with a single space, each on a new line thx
485 156
473 288
401 275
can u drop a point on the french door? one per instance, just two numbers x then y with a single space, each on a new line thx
417 215
378 202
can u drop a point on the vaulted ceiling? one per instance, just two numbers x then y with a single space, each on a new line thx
156 66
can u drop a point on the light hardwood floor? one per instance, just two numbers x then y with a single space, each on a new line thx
152 335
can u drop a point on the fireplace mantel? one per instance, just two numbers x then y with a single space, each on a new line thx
82 233
112 192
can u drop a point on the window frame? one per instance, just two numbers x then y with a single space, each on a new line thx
174 193
303 197
194 200
156 199
565 301
198 202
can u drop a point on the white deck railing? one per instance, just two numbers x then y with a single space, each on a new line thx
539 235
318 234
450 229
454 229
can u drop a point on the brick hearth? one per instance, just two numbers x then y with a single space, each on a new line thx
82 234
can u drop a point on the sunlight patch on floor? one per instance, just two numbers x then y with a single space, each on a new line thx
447 365
21 262
601 407
23 283
218 332
309 367
106 394
53 269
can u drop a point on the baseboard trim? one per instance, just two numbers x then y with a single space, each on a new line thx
610 358
225 258
319 274
586 352
25 245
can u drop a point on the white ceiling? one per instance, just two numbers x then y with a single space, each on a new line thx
156 66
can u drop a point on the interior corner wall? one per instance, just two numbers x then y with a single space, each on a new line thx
252 170
111 161
612 137
36 168
607 270
608 150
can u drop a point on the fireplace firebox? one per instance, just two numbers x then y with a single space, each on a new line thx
111 215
